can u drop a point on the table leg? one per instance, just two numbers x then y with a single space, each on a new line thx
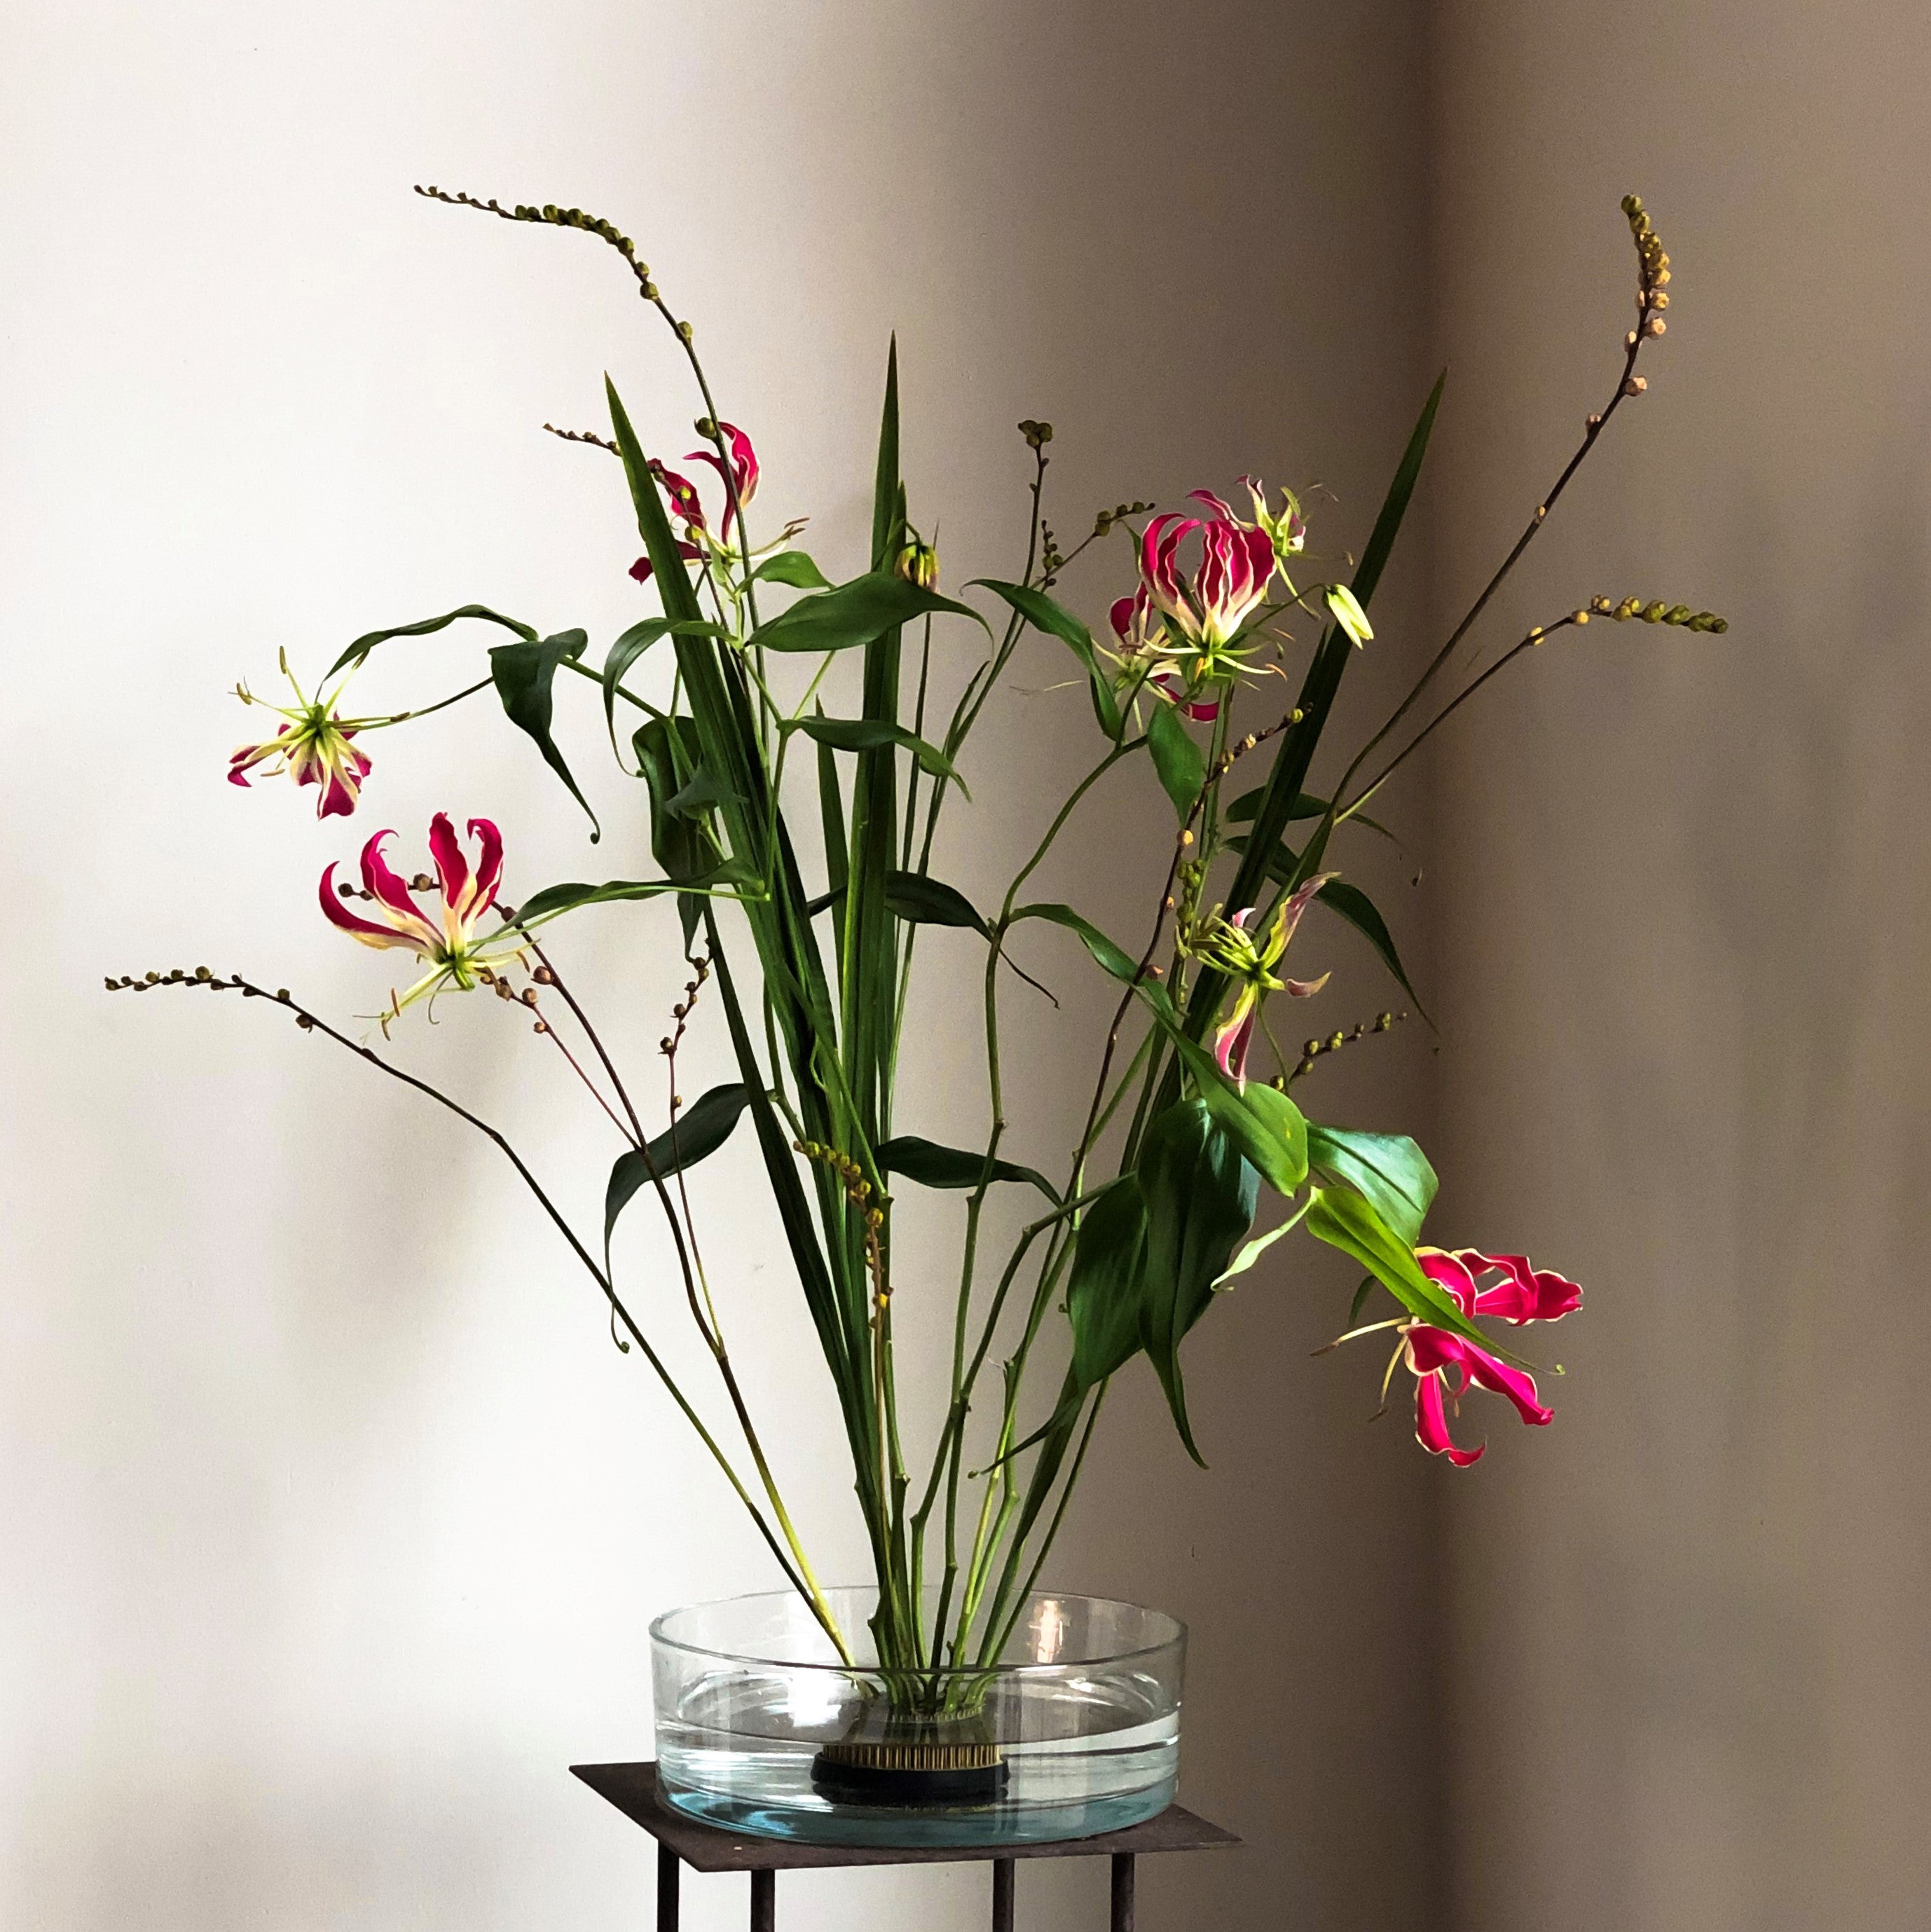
667 1889
1122 1891
764 1901
1002 1895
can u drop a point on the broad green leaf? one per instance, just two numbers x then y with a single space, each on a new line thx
854 613
1200 1196
1044 613
792 567
1266 1124
1389 1169
363 646
1344 1220
523 673
1348 613
932 1165
1179 761
1106 1289
701 1129
729 879
1360 911
872 734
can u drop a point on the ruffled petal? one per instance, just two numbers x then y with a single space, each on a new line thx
1526 1295
1450 1273
1432 1426
1517 1385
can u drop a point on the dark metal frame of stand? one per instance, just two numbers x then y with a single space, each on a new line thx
632 1789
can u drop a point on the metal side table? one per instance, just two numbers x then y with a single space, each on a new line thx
632 1789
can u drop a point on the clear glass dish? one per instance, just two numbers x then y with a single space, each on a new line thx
1073 1728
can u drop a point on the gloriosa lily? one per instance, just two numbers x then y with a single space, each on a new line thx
1237 565
1229 947
740 481
313 747
449 943
1446 1365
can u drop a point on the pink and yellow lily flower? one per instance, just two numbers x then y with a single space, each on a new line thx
448 941
1145 641
313 746
1446 1365
1230 948
1236 566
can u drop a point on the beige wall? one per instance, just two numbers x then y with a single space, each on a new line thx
1683 936
331 1521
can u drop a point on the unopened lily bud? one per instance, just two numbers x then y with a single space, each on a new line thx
918 563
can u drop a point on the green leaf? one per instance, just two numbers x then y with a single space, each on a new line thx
1200 1196
701 796
872 734
922 901
729 879
1111 957
625 653
1306 805
792 567
685 844
932 1165
363 646
916 899
1179 761
1358 909
1389 1169
1344 1220
1043 613
1266 1124
1348 613
701 1129
854 613
1323 680
1106 1289
1253 1250
523 674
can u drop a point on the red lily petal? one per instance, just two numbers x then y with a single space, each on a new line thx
1449 1273
1432 1426
451 868
338 914
488 867
383 885
1526 1295
641 569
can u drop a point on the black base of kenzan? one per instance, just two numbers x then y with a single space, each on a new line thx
681 1841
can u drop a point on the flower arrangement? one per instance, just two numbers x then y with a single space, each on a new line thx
797 849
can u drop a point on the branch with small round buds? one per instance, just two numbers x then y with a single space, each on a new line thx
1315 1049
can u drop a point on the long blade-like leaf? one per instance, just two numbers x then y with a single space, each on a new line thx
932 1165
364 645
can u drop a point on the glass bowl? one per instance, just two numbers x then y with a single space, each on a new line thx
1073 1728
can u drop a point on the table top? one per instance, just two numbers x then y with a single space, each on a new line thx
632 1789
